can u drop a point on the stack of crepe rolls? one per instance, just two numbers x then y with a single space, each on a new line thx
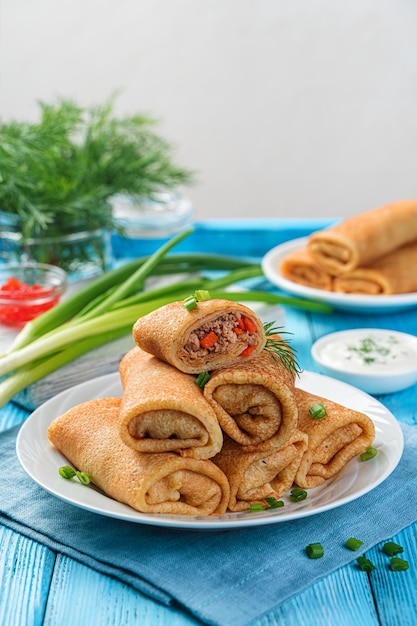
163 410
370 253
88 436
169 445
256 404
332 441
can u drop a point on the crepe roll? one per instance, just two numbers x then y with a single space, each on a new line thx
216 333
300 267
88 436
164 410
254 402
332 441
254 476
392 274
362 239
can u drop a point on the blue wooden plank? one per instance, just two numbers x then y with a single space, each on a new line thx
343 598
396 592
25 573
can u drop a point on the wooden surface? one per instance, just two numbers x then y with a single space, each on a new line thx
39 587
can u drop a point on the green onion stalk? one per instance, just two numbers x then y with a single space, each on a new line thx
107 308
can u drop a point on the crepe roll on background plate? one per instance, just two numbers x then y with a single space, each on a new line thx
254 402
333 440
361 239
393 273
88 436
216 333
300 267
256 475
164 410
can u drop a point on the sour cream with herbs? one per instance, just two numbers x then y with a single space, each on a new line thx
374 360
370 351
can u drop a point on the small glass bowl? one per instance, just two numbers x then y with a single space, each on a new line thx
27 290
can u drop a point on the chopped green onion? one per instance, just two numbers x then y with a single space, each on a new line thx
273 503
353 543
190 303
365 564
67 472
202 379
83 478
315 550
317 411
398 565
255 507
298 494
202 294
369 454
392 548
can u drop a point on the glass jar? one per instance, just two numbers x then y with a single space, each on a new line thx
81 253
162 215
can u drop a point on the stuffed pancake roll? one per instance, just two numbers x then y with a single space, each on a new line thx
88 436
164 410
216 333
332 440
301 268
254 402
362 239
392 274
254 476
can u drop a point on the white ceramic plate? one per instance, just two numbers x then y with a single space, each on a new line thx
41 460
341 301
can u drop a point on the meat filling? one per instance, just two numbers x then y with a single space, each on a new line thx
216 336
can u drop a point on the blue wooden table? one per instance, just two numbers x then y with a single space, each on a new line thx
40 587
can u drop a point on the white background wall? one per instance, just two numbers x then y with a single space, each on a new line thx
285 108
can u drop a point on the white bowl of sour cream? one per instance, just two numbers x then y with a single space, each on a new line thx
374 360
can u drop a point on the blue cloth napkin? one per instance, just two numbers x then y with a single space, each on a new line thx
226 578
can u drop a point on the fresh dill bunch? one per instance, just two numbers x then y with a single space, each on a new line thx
59 174
280 349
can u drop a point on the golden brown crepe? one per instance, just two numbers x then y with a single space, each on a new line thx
88 436
164 410
362 239
175 335
332 441
394 273
254 402
254 476
300 267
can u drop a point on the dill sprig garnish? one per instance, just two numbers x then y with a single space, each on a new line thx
279 348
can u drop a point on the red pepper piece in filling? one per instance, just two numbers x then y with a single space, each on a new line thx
247 351
240 323
250 326
209 340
